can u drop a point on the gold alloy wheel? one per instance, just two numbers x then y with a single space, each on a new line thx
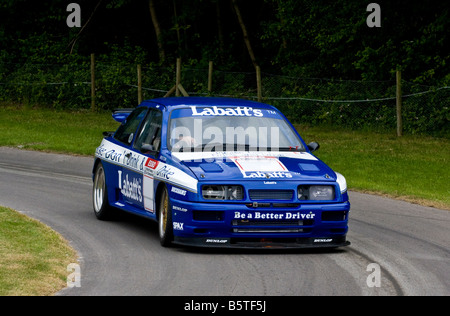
165 220
163 214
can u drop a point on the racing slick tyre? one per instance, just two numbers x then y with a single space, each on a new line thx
165 220
102 209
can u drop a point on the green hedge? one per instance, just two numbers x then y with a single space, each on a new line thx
353 104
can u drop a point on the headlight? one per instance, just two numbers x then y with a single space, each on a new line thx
342 182
316 192
222 192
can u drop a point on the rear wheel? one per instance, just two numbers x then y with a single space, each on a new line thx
165 220
102 209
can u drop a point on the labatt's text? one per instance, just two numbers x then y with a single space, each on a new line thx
216 111
267 175
130 189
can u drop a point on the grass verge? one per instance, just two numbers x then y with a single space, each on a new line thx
33 258
71 132
412 168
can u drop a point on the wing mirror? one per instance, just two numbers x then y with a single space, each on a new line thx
313 146
120 115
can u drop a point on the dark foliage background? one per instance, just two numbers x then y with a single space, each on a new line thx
321 50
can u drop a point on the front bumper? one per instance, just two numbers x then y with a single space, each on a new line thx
263 243
228 225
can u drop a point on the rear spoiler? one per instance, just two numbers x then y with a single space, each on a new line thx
121 115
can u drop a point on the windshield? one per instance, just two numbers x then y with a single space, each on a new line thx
210 129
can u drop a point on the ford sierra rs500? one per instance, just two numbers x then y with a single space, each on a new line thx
219 172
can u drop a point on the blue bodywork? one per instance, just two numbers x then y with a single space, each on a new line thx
265 208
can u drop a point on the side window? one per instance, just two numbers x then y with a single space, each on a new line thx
149 138
125 132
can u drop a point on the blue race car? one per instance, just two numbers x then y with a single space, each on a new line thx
219 172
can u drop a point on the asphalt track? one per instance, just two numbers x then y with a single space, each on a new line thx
397 248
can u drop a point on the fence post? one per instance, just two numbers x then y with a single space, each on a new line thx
178 88
139 74
258 83
399 103
210 73
93 107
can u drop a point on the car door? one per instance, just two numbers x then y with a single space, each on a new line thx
147 144
129 174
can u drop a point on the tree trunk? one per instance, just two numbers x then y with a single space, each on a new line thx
245 33
162 53
177 27
220 32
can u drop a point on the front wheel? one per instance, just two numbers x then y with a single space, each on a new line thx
165 220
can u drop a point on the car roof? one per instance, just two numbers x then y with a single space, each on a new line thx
180 102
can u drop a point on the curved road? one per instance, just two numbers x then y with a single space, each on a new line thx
397 248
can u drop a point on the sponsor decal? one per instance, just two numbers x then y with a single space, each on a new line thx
117 155
145 166
261 167
267 175
132 161
177 208
178 226
323 240
150 166
216 241
130 187
100 150
267 163
219 111
274 215
165 172
151 163
179 191
113 155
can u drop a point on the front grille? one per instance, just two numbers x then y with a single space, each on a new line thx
285 205
209 216
286 226
278 195
274 205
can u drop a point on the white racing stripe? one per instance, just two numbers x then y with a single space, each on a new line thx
144 165
199 156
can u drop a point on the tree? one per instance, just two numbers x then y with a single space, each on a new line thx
157 27
322 39
245 33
